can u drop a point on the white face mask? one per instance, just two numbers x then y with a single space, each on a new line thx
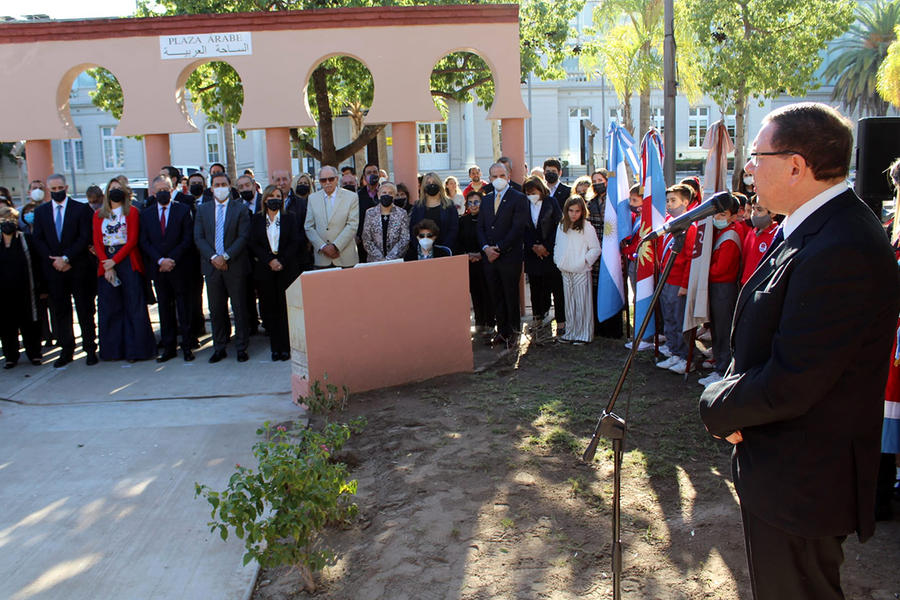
426 243
221 193
535 198
37 195
748 179
499 184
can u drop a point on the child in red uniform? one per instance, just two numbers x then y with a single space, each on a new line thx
674 292
758 240
724 272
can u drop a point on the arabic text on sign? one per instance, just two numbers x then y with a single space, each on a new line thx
205 45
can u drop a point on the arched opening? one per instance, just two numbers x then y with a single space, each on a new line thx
339 93
211 96
462 86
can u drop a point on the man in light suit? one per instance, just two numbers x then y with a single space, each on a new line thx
803 397
332 219
221 230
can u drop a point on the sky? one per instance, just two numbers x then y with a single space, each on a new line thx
67 9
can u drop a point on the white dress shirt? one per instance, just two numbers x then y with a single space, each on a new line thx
796 218
273 232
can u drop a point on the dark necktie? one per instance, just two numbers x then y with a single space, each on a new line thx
162 221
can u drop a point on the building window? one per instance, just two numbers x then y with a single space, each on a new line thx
731 124
433 138
212 144
67 154
113 149
698 123
615 115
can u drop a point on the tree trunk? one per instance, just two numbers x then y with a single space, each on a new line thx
230 157
382 150
627 120
740 137
644 126
495 140
326 118
356 127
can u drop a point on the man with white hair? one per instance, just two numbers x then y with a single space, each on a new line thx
332 219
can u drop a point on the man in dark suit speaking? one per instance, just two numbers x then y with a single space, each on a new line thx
802 400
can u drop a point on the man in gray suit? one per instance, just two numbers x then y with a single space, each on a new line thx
221 229
332 219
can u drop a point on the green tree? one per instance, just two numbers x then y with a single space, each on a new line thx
889 72
858 55
337 86
761 49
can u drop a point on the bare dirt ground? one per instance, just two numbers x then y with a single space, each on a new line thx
471 487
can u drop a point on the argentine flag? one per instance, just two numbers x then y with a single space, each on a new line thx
652 216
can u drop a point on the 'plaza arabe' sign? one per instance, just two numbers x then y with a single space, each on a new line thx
204 45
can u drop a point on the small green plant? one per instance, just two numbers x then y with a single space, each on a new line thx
280 508
327 401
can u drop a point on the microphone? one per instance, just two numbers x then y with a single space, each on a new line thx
716 204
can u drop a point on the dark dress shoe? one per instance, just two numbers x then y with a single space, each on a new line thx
10 365
36 362
62 361
167 355
276 356
91 359
284 356
217 356
188 355
195 344
243 357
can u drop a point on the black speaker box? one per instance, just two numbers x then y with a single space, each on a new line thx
877 145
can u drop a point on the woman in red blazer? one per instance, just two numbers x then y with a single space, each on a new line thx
124 324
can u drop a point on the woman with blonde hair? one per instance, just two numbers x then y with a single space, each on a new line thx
124 324
581 187
451 186
577 249
434 204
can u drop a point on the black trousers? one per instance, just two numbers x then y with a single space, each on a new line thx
220 287
482 303
17 316
175 314
195 296
82 287
503 285
789 567
273 308
543 286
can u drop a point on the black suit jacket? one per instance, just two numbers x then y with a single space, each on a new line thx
77 233
811 338
561 194
288 250
176 244
506 228
544 234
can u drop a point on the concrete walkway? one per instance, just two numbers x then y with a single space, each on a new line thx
97 473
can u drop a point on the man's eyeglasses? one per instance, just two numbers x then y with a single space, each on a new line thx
327 179
754 156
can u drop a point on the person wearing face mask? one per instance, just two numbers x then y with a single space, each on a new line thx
424 245
544 278
385 234
368 198
501 228
558 190
37 191
62 233
434 204
759 239
402 197
252 199
613 327
20 274
672 299
124 324
467 243
303 187
724 274
746 184
197 194
221 230
167 240
274 245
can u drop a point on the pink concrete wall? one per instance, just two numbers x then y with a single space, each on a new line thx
385 325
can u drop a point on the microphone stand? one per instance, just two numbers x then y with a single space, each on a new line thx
612 427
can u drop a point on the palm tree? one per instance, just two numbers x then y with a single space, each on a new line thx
858 55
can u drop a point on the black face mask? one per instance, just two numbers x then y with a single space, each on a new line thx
8 227
274 203
162 196
635 209
386 200
196 190
302 190
432 189
401 202
118 195
372 179
348 187
58 195
551 177
599 188
248 195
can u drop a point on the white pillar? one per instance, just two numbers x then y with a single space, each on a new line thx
469 118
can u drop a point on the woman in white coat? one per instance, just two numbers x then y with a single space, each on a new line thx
577 249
